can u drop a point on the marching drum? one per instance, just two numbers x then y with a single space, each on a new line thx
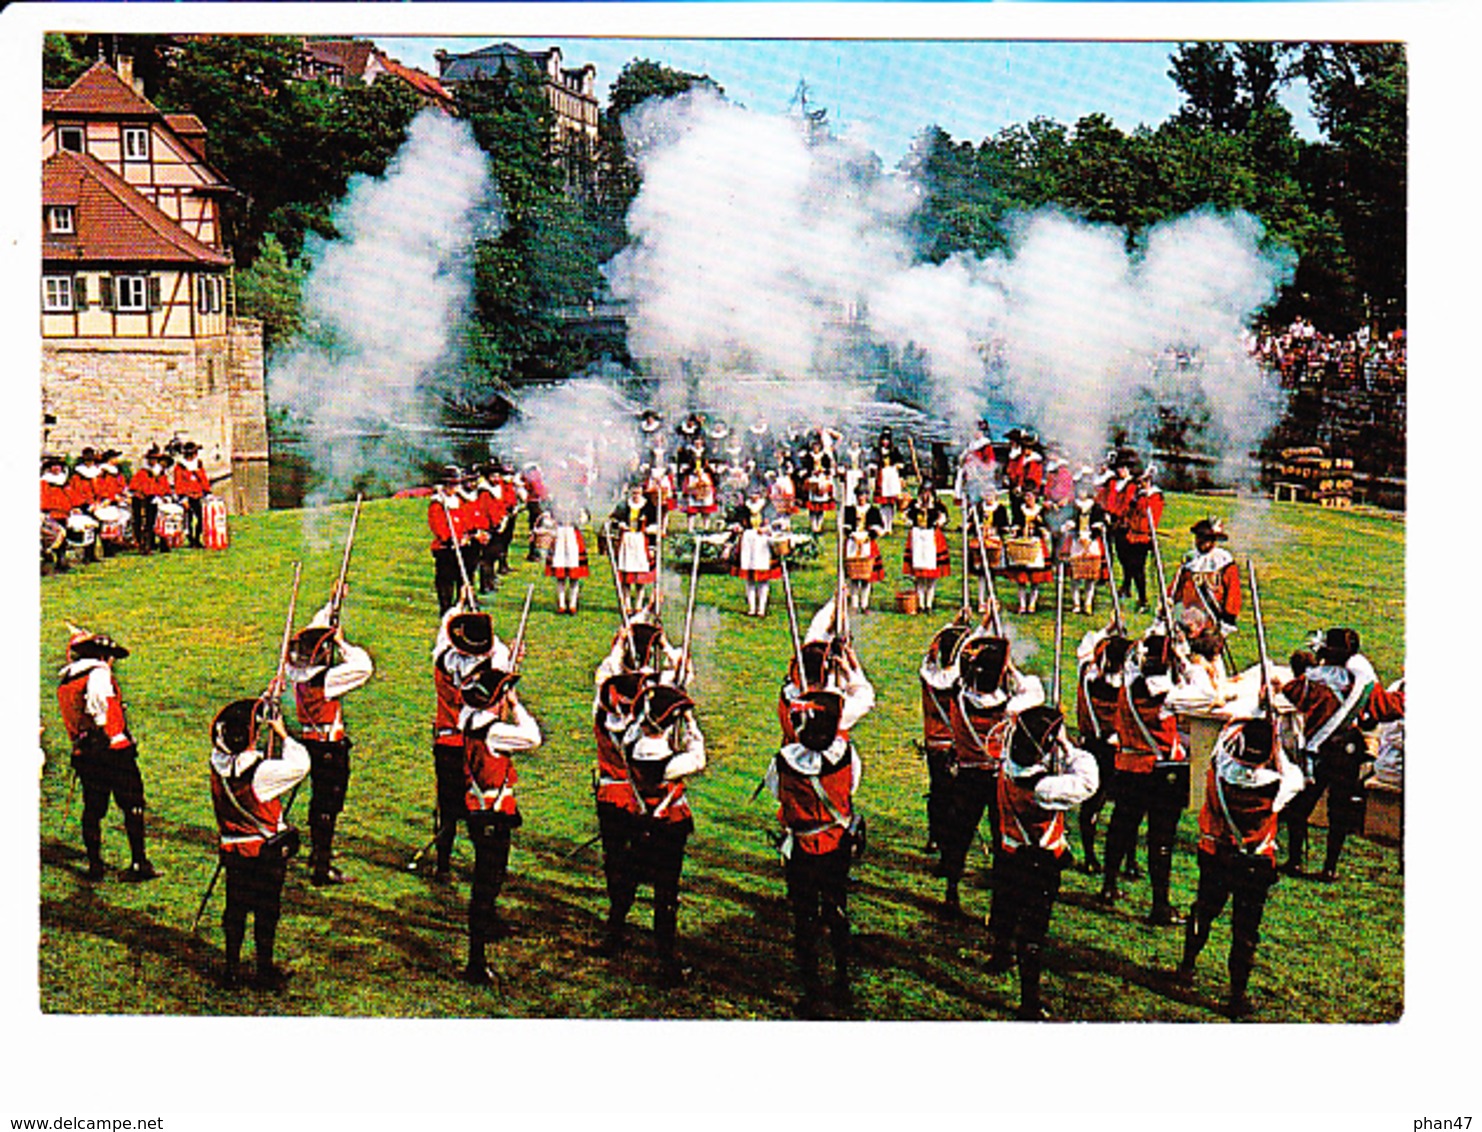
113 523
169 523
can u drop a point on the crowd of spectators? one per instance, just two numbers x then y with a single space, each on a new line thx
1303 355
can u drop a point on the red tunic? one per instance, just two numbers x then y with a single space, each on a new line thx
72 703
144 482
56 501
82 490
977 732
1147 731
814 829
321 716
1139 503
1023 822
242 833
193 483
1251 807
465 520
489 778
1217 572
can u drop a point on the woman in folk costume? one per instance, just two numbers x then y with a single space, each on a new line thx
782 491
634 524
927 557
854 470
658 486
494 725
699 494
567 562
863 563
890 492
819 486
1031 567
756 562
1081 544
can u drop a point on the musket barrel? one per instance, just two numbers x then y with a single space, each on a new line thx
1059 630
792 617
457 550
339 589
1111 582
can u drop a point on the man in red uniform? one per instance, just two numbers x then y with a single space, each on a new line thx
989 688
1208 579
192 485
256 841
662 747
495 725
1248 783
318 687
494 508
1152 775
1042 776
452 520
149 482
938 675
814 779
1100 658
56 506
1141 509
104 756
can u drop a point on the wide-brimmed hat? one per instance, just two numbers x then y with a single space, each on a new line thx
488 685
982 661
82 644
471 632
1031 738
659 706
234 729
1209 528
815 718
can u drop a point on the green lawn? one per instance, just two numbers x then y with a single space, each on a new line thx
205 627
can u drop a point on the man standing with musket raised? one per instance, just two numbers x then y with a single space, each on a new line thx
1042 776
495 725
256 841
318 687
453 519
814 778
104 756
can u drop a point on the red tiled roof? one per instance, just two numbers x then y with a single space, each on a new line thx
113 221
99 91
351 54
190 130
420 81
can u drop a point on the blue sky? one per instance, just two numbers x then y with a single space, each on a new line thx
887 91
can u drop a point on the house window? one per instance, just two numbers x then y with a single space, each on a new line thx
209 291
71 138
130 293
136 143
60 219
56 293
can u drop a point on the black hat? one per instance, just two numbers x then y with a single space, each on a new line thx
618 693
88 454
815 718
1114 649
190 447
488 685
471 632
944 644
52 462
1015 435
310 645
1338 645
1032 737
451 473
234 729
1258 742
1156 654
647 638
982 661
1209 528
94 646
659 706
110 454
1301 661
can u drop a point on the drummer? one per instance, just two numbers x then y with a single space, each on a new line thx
863 563
56 505
148 485
192 484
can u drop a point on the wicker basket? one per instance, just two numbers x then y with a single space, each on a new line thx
1028 552
993 546
905 601
860 569
543 541
1085 567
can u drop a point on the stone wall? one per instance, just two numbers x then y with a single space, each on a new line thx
130 393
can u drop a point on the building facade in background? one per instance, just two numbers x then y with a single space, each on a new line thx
140 342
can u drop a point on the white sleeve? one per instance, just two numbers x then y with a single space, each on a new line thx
821 628
1086 650
1029 693
771 780
1292 781
320 620
856 771
1079 782
859 698
521 735
691 760
99 692
354 670
272 777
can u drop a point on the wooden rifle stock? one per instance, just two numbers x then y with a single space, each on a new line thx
988 578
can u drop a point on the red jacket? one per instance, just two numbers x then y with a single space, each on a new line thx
56 501
1138 504
1252 808
977 733
814 829
1023 822
72 696
1147 732
466 518
1217 572
145 482
192 483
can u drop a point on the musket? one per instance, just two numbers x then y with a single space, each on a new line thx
1059 631
988 578
275 687
659 566
457 551
1164 605
617 585
337 597
1203 594
206 899
966 560
841 586
689 619
1111 581
1255 601
915 463
792 619
514 664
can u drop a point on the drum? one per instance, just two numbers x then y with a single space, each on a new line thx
113 523
213 523
1028 552
82 529
169 523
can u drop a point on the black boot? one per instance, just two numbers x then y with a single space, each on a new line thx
1194 940
139 869
476 972
1030 1007
1336 836
951 901
1296 848
231 974
1090 863
321 851
92 840
1242 959
1160 871
270 977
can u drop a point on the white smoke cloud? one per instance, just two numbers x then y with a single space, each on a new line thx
385 302
761 250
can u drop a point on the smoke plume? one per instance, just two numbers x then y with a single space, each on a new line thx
384 303
765 251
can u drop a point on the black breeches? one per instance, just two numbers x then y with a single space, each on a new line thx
110 775
1025 885
818 893
1248 880
1090 810
619 832
965 795
937 762
254 885
447 765
448 576
145 508
639 850
195 512
1133 557
490 834
329 775
1161 796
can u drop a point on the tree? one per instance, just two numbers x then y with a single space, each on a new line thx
63 60
272 290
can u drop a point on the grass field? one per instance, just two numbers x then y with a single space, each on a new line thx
204 629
